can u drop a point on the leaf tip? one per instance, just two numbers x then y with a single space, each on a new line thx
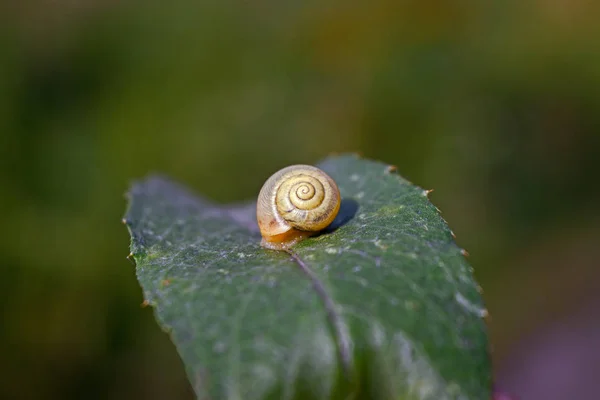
391 169
145 303
464 252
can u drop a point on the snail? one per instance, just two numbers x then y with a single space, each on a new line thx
294 203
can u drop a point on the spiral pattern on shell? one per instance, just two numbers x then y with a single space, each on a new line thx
301 197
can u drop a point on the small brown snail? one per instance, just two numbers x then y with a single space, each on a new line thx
294 203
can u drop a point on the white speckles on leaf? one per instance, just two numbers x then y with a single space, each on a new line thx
219 346
378 336
271 281
423 382
470 307
379 244
410 305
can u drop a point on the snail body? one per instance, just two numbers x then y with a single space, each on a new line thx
294 203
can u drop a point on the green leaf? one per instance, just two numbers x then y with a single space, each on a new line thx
381 306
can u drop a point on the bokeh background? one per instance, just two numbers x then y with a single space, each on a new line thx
495 105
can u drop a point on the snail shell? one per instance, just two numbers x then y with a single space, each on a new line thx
294 203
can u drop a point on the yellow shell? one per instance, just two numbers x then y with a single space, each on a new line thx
294 203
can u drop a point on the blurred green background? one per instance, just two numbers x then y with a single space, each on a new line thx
495 105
